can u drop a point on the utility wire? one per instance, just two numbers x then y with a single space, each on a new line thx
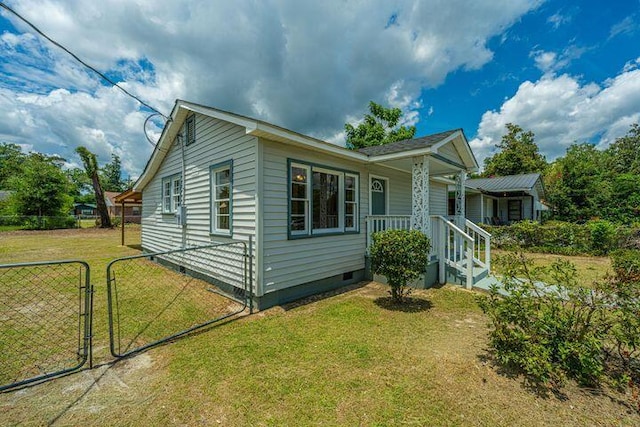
107 79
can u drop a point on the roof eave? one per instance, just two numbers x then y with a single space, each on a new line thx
268 131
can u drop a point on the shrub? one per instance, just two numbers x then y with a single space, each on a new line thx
401 256
563 330
565 238
626 265
527 233
602 236
549 333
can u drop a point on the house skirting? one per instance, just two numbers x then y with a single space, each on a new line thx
274 298
283 296
427 280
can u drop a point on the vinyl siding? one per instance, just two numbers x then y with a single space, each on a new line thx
290 262
287 262
438 196
399 189
216 141
472 208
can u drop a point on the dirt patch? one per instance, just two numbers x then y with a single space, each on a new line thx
70 399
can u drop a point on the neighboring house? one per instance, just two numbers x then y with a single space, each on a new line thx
84 209
307 206
505 199
132 210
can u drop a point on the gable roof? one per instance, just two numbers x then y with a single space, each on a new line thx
499 184
408 144
415 147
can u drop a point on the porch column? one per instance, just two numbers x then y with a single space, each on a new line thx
461 177
420 219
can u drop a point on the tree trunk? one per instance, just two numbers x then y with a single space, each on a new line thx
105 221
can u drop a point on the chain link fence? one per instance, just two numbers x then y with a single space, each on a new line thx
157 297
33 222
45 314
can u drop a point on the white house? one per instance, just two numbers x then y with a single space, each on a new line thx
505 199
307 206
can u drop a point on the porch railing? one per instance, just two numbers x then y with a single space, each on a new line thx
457 248
482 244
377 223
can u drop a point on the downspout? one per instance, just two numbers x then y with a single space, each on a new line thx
182 208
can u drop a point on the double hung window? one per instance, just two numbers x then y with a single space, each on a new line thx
171 193
221 198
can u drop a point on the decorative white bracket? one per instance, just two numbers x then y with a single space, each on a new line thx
420 219
461 178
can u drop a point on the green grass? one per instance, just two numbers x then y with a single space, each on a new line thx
346 359
589 268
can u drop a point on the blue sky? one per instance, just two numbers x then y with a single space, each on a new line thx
567 70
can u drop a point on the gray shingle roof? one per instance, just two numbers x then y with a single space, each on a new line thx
407 144
504 183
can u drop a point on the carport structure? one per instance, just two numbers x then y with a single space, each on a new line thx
129 196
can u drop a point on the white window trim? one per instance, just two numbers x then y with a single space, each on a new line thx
171 180
386 196
214 212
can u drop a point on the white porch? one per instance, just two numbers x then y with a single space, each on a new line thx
464 250
459 247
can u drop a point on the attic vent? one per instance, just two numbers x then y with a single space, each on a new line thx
191 129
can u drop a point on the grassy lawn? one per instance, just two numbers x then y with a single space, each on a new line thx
589 268
345 359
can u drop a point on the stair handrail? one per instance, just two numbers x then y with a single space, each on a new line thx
468 252
487 243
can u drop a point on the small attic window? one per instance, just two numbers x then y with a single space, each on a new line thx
191 129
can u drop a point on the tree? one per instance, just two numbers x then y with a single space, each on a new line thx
574 183
11 160
41 188
91 168
401 256
378 128
112 175
518 154
623 156
81 188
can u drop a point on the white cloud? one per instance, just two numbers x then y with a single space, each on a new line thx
551 62
560 111
558 19
626 26
309 66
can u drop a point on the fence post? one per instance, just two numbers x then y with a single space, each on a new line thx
250 274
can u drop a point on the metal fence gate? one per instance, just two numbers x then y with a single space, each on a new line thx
157 297
45 312
46 308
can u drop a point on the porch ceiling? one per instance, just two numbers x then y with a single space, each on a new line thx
437 167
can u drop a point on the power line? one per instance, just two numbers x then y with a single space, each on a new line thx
107 79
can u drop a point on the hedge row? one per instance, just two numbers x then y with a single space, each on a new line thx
597 237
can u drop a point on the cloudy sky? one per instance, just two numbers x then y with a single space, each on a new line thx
567 70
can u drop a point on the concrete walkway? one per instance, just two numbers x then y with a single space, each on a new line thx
486 283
